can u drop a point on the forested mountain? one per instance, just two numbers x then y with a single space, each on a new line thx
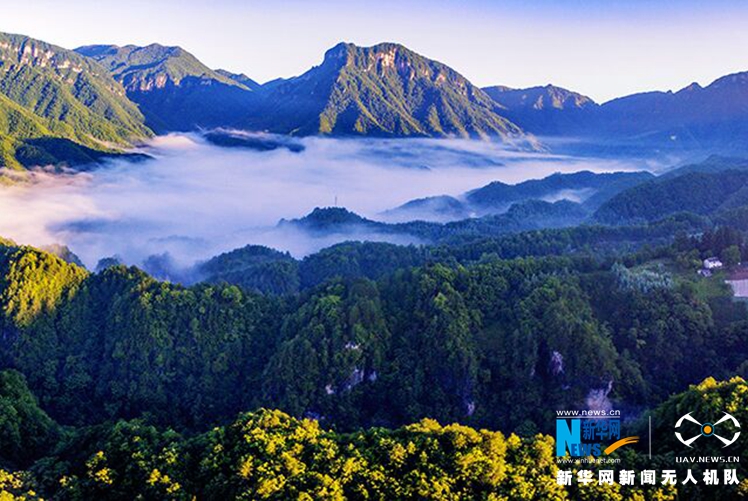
270 455
521 216
544 111
549 97
268 271
498 208
345 346
57 106
439 208
711 165
590 187
254 268
384 90
369 370
701 193
586 188
174 90
432 340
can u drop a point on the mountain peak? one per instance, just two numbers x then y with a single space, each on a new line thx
733 79
324 218
542 97
381 55
546 110
692 87
385 90
174 89
154 65
378 47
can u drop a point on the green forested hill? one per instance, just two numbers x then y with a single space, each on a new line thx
710 165
588 188
437 340
173 88
270 455
120 344
384 90
17 122
57 106
268 271
588 185
704 193
254 268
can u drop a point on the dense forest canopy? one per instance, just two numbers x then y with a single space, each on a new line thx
271 455
376 336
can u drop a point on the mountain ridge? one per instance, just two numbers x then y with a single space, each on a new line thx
543 110
586 188
51 93
708 188
174 90
710 118
385 90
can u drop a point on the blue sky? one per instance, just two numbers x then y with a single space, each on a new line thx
603 49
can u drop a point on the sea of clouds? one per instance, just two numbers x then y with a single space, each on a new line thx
194 200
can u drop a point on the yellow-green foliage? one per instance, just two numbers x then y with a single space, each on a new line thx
270 455
16 486
34 282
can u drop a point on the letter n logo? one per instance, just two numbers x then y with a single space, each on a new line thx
566 435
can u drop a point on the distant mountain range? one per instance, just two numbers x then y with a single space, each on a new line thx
525 215
557 201
698 118
586 188
385 90
620 210
61 106
713 190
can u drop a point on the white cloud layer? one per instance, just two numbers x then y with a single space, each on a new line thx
195 200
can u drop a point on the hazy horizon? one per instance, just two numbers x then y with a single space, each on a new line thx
638 46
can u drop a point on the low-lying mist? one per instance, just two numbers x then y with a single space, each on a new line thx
195 200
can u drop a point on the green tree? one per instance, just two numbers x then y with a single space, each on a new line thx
731 255
26 431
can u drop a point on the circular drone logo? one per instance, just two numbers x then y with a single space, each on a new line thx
707 429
